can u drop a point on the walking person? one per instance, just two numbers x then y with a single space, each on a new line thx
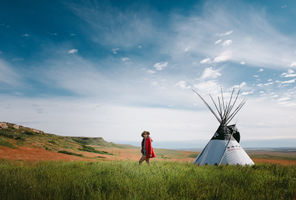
146 148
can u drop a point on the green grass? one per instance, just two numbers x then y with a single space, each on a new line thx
168 153
91 149
70 153
128 180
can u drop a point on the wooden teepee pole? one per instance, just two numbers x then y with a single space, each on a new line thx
207 105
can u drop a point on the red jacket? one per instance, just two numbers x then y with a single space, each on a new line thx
149 150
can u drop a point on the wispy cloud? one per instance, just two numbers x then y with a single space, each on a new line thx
160 65
72 51
124 28
8 76
218 41
289 81
151 71
124 59
226 33
224 56
205 61
253 38
227 43
25 35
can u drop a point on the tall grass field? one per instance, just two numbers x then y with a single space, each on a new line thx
128 180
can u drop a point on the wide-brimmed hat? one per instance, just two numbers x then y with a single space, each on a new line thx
145 132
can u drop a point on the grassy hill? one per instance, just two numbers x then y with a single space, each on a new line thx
15 137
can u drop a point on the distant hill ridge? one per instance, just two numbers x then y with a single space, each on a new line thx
14 131
7 125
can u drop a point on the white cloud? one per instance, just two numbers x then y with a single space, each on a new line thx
218 41
284 99
224 56
260 84
243 84
289 81
293 64
260 70
124 59
206 60
151 71
72 51
269 83
290 71
210 73
288 75
226 33
182 85
227 43
187 49
210 86
160 65
247 92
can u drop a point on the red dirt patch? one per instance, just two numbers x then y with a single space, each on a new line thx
34 154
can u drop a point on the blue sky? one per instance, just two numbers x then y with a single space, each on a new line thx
115 68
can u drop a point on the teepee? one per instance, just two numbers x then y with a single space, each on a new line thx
224 147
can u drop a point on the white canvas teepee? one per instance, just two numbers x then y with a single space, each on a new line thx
224 147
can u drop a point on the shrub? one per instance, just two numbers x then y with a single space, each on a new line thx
29 133
4 142
52 142
91 149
